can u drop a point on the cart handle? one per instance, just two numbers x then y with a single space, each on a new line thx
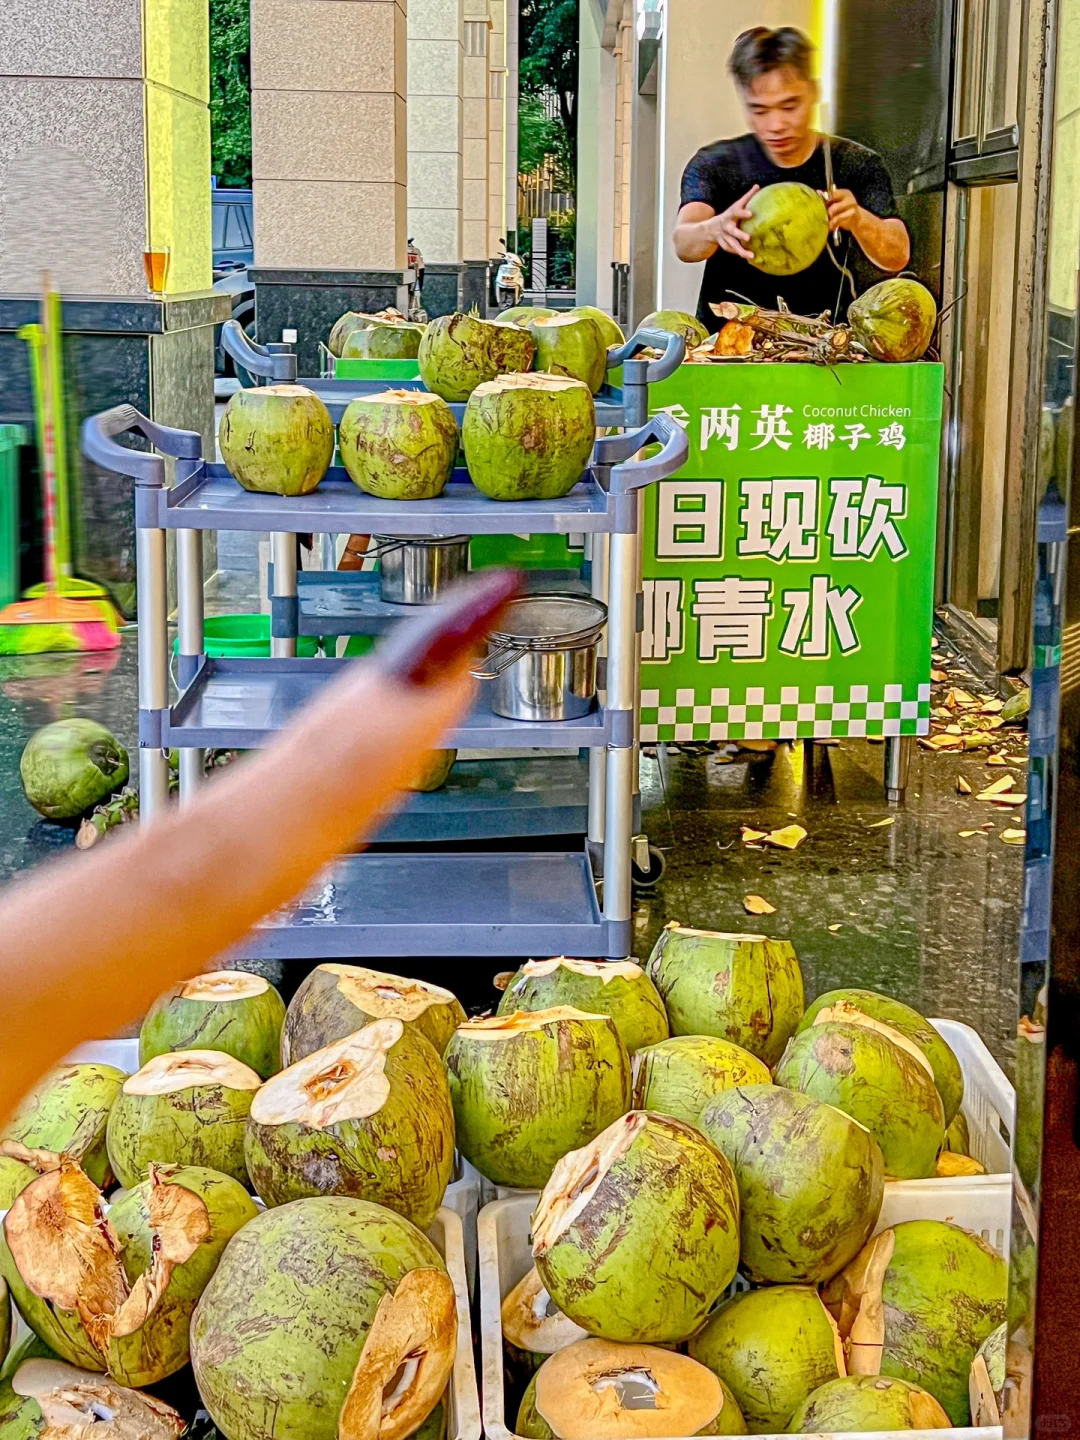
630 474
144 468
272 362
673 346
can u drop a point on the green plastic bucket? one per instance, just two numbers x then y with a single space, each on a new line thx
11 437
238 636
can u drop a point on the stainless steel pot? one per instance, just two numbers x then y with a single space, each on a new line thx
542 661
415 570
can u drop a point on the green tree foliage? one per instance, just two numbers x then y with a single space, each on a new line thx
230 92
548 38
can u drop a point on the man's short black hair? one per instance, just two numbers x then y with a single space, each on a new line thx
761 50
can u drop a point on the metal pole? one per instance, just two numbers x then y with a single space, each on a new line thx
283 554
189 594
598 554
621 687
897 765
153 646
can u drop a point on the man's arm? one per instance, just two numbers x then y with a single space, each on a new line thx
700 231
885 243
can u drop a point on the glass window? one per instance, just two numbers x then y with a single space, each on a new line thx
971 23
1002 67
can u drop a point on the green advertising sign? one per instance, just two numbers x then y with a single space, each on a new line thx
789 566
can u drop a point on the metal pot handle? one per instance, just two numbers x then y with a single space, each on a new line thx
373 552
498 659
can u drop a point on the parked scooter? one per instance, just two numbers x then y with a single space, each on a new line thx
416 300
509 279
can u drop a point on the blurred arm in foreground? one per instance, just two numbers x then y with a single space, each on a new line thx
87 943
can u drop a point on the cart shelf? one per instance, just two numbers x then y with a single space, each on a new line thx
497 799
384 905
241 704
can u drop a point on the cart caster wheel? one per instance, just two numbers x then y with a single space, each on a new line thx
647 867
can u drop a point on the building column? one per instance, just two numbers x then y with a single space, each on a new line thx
105 154
436 32
596 158
329 164
496 127
512 90
474 188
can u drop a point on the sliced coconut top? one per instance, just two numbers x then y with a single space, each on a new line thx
404 397
598 1390
287 392
605 970
716 934
555 321
522 1022
386 996
189 1069
845 1013
530 380
224 985
406 1361
73 1401
343 1081
532 1321
577 1177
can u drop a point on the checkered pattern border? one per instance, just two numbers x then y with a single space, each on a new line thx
796 713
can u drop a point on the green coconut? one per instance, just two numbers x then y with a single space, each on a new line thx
528 437
28 1348
570 345
460 352
986 1383
619 988
810 1181
343 327
636 1236
434 1427
930 1293
187 1107
67 1113
384 340
681 1075
368 1116
277 439
676 322
45 1395
771 1347
14 1176
895 319
521 315
531 1086
880 1012
860 1403
334 1001
325 1306
228 1010
597 1390
886 1087
788 228
436 771
745 988
115 1293
399 444
70 766
611 331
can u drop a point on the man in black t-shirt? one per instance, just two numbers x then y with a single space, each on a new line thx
772 69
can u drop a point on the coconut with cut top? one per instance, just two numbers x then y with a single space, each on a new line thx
619 988
570 344
636 1236
680 1076
67 1113
886 1084
745 988
334 1001
327 1319
598 1390
533 1326
399 444
187 1107
529 1087
277 439
383 340
810 1179
899 1023
71 1404
867 1403
368 1116
459 352
228 1010
528 437
114 1292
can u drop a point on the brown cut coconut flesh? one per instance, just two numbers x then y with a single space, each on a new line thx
185 1069
532 1322
75 1403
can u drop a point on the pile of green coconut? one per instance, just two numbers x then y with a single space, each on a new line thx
712 1156
526 379
244 1218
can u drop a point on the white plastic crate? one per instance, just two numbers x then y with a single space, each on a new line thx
505 1256
989 1100
124 1054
